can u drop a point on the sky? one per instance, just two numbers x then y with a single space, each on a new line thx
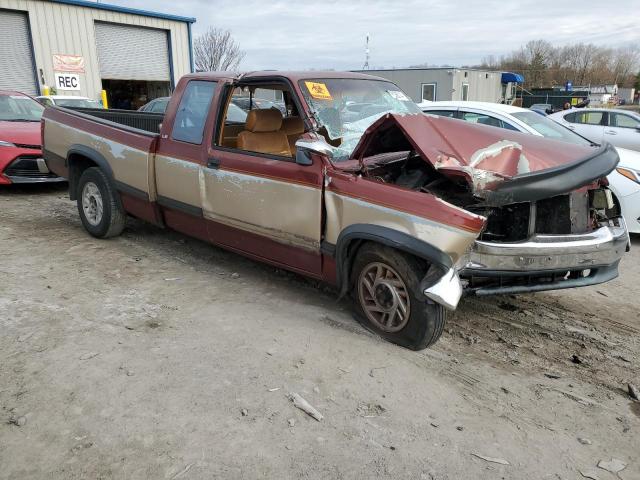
302 35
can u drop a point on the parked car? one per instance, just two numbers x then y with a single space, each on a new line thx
398 209
542 108
68 101
20 143
624 181
157 105
246 104
616 126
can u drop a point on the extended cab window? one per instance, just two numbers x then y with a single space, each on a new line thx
192 112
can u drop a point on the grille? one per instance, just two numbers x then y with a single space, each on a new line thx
26 167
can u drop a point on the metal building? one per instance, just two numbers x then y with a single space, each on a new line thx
77 47
445 83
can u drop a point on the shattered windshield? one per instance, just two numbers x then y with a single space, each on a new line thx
346 107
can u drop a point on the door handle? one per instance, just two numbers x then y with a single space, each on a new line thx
213 163
610 132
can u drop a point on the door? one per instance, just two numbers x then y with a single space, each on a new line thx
623 130
180 156
260 201
17 71
588 123
128 52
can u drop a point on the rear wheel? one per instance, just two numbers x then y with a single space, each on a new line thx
385 286
100 209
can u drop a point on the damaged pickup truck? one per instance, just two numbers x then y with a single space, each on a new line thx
351 185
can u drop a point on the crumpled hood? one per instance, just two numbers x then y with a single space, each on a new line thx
489 158
26 133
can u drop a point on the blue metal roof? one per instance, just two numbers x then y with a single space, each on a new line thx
512 77
132 11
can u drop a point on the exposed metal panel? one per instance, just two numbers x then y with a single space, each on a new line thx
16 54
127 52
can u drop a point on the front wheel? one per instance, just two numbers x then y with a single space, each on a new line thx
100 209
385 284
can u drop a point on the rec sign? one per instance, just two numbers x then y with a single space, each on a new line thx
67 81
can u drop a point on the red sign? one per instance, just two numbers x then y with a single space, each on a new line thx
68 63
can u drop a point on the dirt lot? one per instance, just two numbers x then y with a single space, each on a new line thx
157 356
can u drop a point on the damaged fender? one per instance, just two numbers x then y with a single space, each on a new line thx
441 283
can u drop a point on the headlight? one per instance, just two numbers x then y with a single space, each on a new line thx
630 174
6 144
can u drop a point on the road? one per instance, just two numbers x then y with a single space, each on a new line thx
154 355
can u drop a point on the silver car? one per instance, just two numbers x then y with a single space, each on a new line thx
621 128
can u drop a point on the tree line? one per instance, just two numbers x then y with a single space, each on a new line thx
544 65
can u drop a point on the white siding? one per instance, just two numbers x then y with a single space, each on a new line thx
68 29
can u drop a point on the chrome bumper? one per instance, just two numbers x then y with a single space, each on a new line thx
601 247
544 262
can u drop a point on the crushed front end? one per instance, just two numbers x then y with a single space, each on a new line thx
565 241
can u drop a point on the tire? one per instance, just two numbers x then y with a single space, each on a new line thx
99 206
386 279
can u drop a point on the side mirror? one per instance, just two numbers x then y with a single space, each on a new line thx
305 147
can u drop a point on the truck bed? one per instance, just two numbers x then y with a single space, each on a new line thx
149 122
121 142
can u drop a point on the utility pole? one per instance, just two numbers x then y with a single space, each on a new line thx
366 55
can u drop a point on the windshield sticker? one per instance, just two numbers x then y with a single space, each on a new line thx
319 91
398 95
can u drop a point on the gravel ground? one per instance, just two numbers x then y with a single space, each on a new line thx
154 355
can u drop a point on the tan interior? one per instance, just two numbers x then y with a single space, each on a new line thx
263 133
230 135
293 127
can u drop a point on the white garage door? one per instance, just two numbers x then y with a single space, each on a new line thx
16 61
127 52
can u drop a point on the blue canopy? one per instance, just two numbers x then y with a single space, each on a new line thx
512 77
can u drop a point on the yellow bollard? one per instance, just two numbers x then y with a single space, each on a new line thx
103 95
46 90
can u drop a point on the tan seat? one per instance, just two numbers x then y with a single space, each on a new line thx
293 127
263 133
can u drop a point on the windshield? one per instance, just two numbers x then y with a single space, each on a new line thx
550 129
18 108
345 108
77 103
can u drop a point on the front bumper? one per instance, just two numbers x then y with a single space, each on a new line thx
29 168
544 262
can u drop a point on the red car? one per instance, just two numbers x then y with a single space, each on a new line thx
20 143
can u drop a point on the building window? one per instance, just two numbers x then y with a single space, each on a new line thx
465 92
429 92
466 74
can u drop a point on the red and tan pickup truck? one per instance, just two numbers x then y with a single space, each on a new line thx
348 182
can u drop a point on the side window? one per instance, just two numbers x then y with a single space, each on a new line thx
623 121
589 118
571 118
429 92
261 120
192 112
442 113
159 106
482 119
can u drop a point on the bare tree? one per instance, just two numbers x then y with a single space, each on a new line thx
216 50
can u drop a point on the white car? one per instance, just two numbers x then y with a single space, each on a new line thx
621 128
624 181
68 101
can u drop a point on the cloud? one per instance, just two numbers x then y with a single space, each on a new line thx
331 34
